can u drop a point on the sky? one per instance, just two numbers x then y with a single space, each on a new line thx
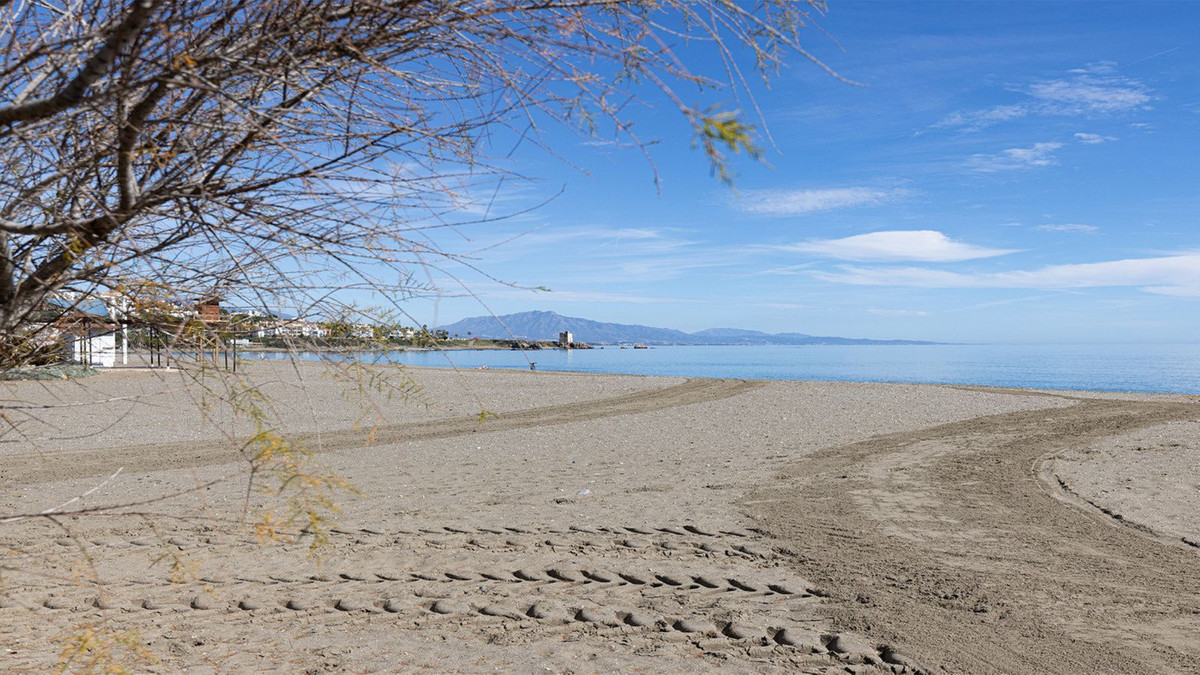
1002 172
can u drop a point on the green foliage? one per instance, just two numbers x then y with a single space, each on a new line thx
721 132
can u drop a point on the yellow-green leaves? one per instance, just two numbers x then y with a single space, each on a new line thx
721 132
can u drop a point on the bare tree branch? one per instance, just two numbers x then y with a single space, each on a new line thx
96 67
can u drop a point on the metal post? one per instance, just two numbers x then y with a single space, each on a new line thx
124 331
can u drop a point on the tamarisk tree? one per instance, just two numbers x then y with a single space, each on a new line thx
190 146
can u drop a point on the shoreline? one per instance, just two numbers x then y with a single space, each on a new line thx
1000 388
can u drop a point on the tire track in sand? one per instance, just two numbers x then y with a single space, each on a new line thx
45 467
948 543
742 610
606 541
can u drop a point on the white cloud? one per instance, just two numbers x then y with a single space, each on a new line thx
1068 227
1177 275
789 270
1089 95
800 202
1096 68
1174 291
897 312
897 245
597 241
1096 90
978 120
555 235
1037 155
1093 139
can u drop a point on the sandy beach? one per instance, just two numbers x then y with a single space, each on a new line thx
594 522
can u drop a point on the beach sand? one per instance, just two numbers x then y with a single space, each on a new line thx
593 523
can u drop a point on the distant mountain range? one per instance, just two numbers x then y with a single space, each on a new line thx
547 326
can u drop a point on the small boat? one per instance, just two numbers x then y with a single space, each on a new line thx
640 347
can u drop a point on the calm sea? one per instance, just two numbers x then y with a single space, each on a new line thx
1144 368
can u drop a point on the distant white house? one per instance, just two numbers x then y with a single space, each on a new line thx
88 327
252 312
293 328
93 347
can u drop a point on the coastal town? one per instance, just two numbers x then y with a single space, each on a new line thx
99 330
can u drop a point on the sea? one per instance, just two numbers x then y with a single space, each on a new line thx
1163 368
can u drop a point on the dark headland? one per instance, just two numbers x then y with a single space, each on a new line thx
547 326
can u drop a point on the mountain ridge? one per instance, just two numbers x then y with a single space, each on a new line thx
542 325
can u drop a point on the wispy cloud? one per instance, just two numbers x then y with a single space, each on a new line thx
1036 155
897 312
800 202
1096 68
558 235
1093 139
1090 95
788 270
1175 291
1177 275
1093 91
897 245
596 240
1068 227
978 120
602 257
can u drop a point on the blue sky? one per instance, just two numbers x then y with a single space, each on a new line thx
1008 172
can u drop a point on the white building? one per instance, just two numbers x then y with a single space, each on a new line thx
95 347
293 328
88 326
